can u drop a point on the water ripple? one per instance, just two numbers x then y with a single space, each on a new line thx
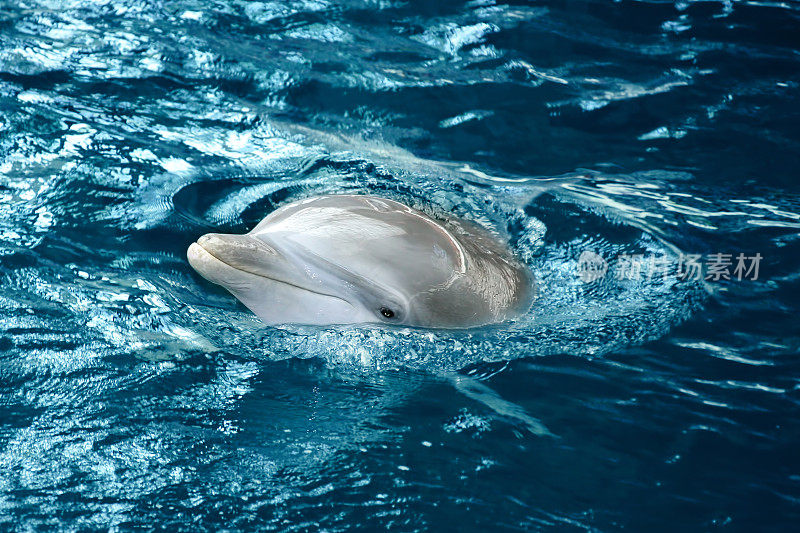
134 393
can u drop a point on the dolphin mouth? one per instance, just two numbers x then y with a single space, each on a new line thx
228 250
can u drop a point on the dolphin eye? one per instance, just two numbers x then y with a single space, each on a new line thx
388 313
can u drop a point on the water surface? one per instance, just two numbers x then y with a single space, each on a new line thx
135 394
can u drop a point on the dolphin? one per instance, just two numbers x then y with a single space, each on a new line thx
350 259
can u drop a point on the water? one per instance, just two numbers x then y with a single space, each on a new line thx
134 394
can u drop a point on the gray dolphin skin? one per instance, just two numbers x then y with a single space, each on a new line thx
349 259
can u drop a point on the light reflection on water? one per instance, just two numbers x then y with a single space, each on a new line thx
134 393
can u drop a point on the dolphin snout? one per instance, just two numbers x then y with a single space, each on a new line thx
225 241
226 246
243 252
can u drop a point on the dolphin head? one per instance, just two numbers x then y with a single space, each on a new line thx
355 259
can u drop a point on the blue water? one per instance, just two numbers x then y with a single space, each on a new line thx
135 394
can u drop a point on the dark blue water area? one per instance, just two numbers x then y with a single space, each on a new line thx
136 395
